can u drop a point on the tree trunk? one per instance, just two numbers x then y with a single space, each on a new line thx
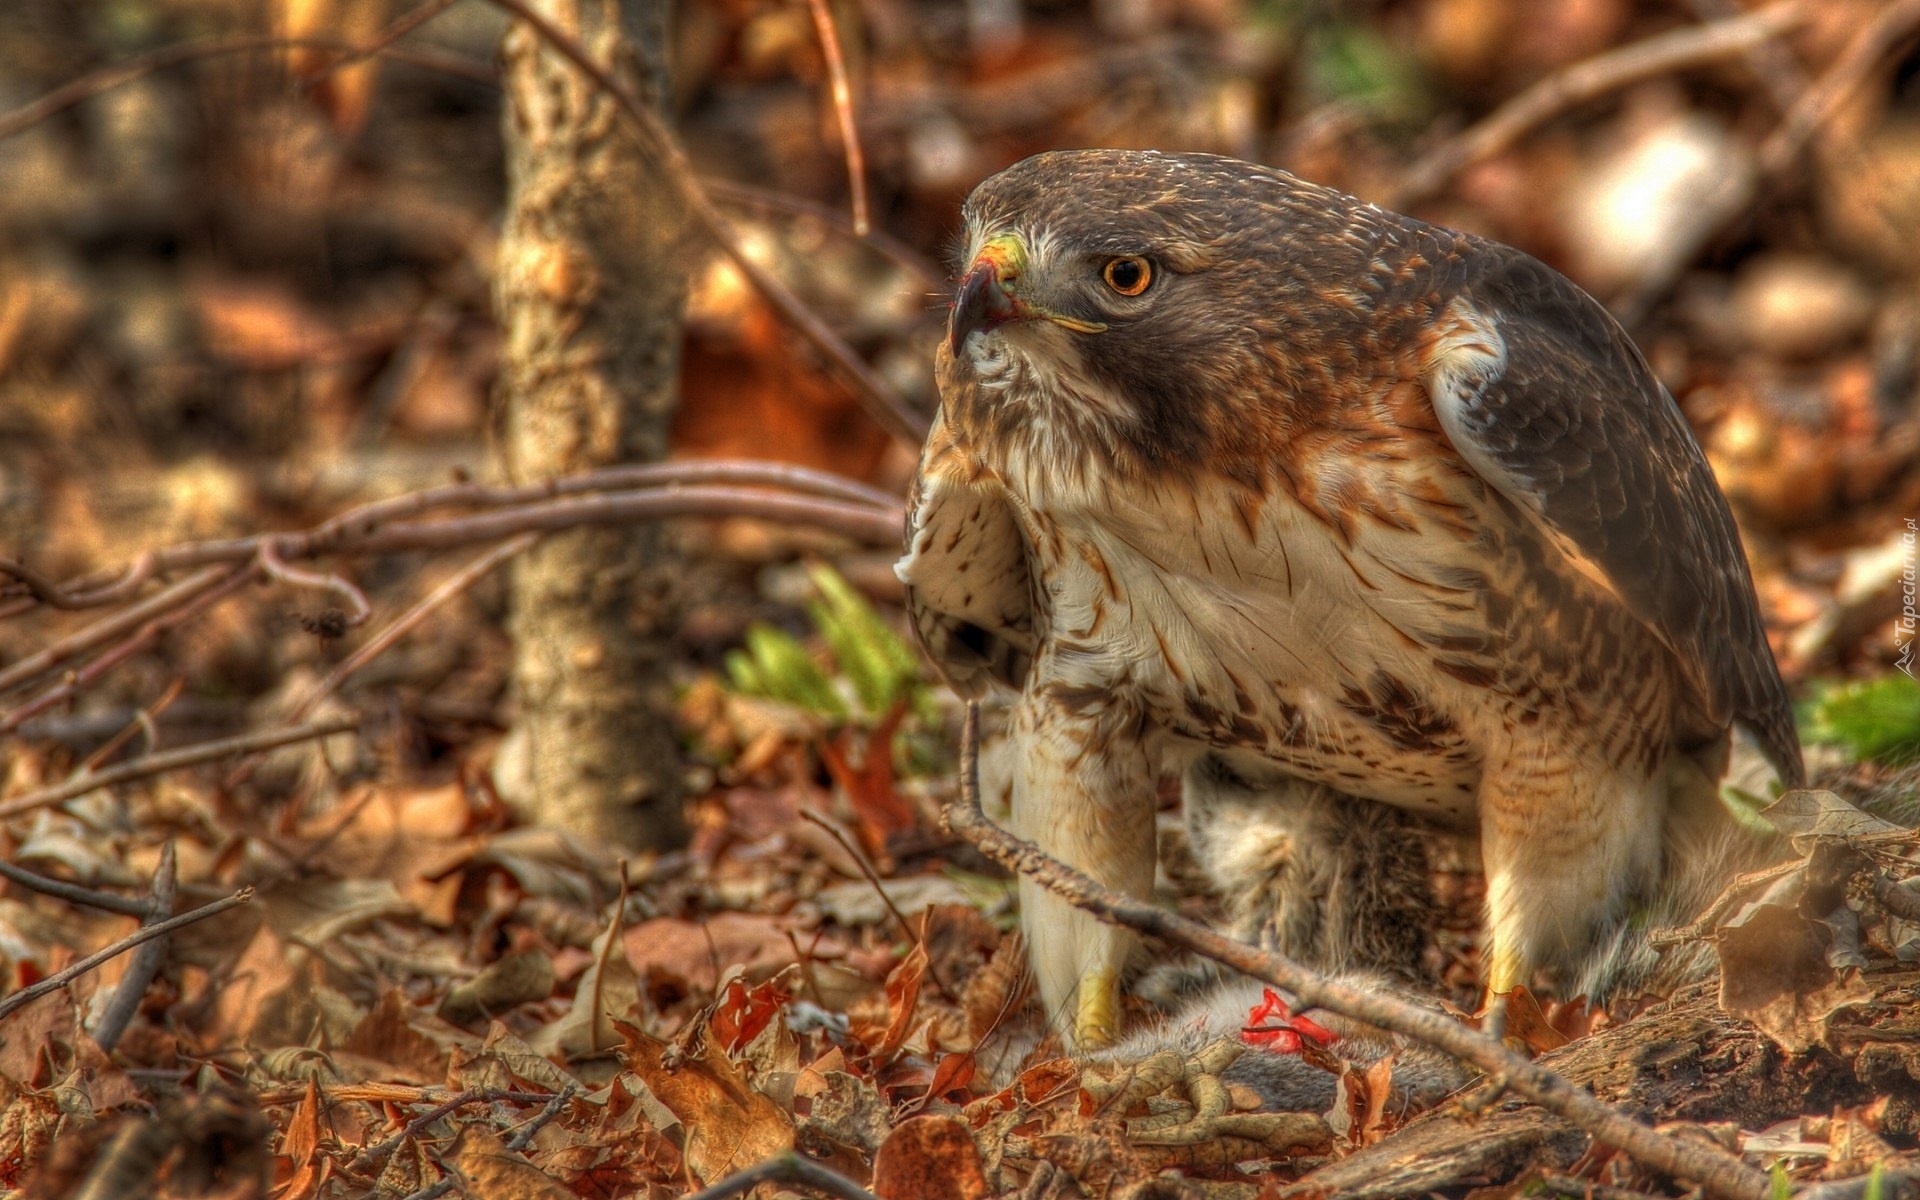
591 290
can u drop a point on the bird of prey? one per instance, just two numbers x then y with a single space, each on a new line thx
1238 477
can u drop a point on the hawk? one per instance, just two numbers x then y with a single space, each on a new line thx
1238 477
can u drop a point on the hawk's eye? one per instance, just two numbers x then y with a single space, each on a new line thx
1129 276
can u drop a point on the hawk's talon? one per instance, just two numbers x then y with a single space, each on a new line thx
1189 1104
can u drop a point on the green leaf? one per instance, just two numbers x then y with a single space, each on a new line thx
777 666
1878 720
878 664
1779 1186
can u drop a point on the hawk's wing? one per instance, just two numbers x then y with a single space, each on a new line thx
1542 393
969 590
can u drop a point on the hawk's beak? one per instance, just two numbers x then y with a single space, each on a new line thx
984 300
989 295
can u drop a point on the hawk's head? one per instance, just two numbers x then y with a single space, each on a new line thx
1132 293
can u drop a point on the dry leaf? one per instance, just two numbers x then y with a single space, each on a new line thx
930 1158
730 1125
490 1169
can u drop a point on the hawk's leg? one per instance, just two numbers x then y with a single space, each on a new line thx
1567 846
1083 792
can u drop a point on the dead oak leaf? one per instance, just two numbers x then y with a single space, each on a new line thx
729 1124
489 1169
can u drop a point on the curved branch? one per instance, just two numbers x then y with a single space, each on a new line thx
1692 46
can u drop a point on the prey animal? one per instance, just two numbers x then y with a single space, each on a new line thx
1240 478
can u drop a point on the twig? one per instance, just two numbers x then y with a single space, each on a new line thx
787 1167
868 388
73 893
1876 41
1709 921
1778 71
908 259
227 583
521 1140
671 490
271 564
60 979
34 665
371 1158
1692 46
405 623
843 109
173 760
36 585
517 1143
618 508
143 721
387 1093
459 582
146 962
341 534
1720 1173
873 878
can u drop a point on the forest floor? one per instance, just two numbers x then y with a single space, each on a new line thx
248 290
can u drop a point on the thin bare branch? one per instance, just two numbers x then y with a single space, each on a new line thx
174 760
1681 49
268 556
860 522
33 583
1876 42
1720 1173
525 1135
147 960
1780 73
843 110
458 583
908 259
144 721
346 532
788 1167
60 979
874 395
104 631
73 893
372 1158
827 501
182 611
